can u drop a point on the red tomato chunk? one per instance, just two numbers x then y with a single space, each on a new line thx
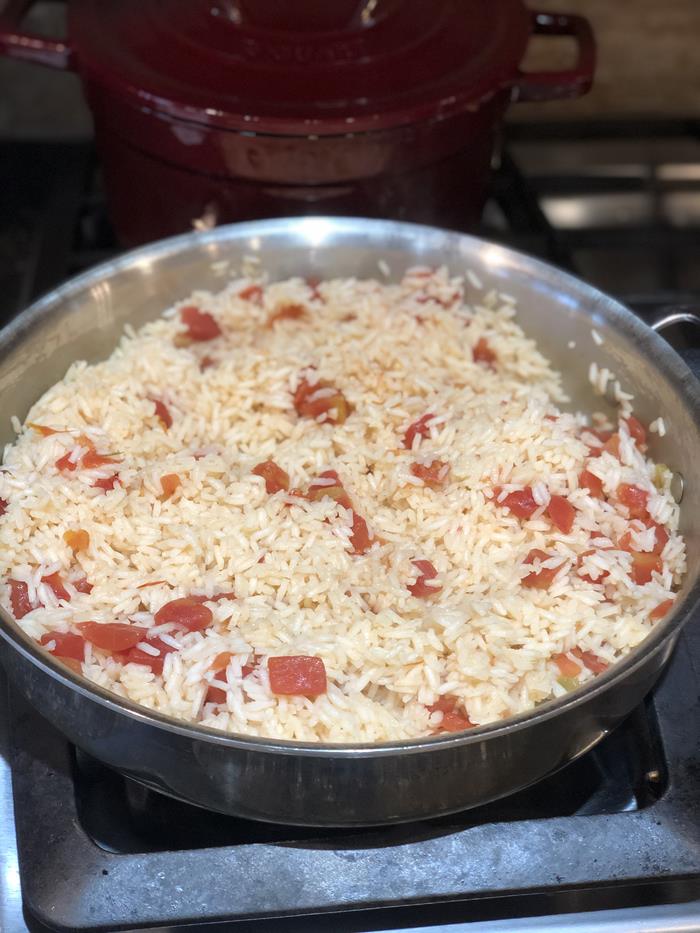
169 483
107 483
520 502
483 353
290 312
661 610
82 585
276 479
602 574
162 413
452 719
217 694
634 498
297 676
3 506
637 430
42 429
591 660
419 428
567 667
252 293
65 463
644 565
592 483
562 513
422 588
540 579
92 459
65 645
360 538
155 662
434 474
54 581
19 598
321 400
112 636
200 324
333 490
188 612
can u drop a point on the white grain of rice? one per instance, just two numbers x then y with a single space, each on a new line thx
658 426
388 654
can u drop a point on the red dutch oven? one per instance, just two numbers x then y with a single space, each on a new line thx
238 109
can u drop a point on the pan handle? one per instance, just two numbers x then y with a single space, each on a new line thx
572 82
53 53
681 314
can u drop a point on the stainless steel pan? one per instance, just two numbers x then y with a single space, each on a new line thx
351 784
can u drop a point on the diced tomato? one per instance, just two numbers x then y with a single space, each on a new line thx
56 583
3 506
634 498
216 694
162 413
112 636
644 565
155 662
219 596
421 588
297 676
661 537
82 585
66 645
92 459
595 450
483 353
220 662
637 430
77 540
169 483
313 400
540 579
252 293
562 513
19 598
72 664
65 463
590 660
520 502
612 446
592 483
360 538
188 612
276 479
452 719
661 610
586 576
434 474
335 491
419 428
290 312
567 667
200 325
248 669
42 429
107 483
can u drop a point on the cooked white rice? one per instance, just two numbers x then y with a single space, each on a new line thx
397 352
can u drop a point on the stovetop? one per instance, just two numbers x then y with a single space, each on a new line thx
612 842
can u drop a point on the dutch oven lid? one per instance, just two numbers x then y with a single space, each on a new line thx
309 66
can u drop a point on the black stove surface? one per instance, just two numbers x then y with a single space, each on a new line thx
620 828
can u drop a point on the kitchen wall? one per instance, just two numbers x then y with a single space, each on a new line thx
648 59
649 64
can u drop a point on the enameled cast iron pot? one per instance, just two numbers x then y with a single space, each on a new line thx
351 784
223 110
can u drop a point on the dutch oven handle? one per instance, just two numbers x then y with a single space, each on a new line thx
54 53
558 85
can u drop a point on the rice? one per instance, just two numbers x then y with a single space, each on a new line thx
430 626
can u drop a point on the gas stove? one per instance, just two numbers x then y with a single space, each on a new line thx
611 842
